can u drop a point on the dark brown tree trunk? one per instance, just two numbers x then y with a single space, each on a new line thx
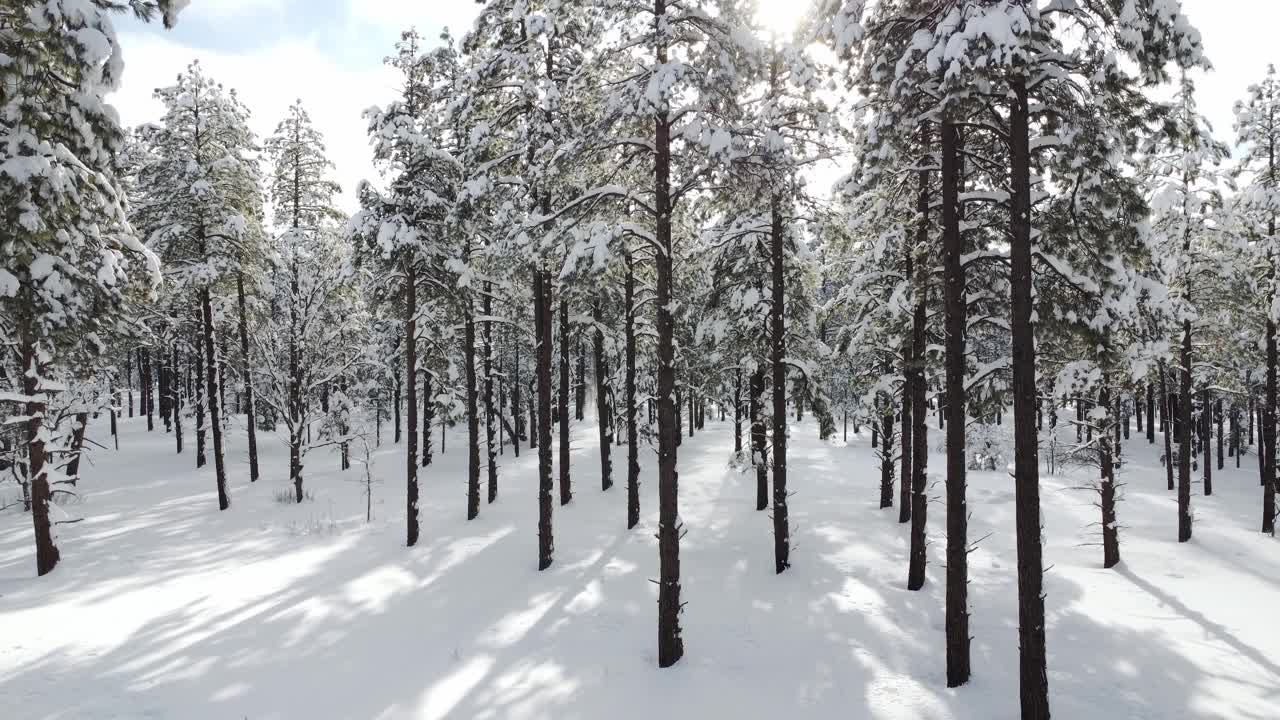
919 437
670 641
759 438
543 315
177 399
535 429
41 495
1033 678
566 488
1184 435
1137 408
1165 418
473 411
886 462
128 378
395 402
222 375
411 401
1107 489
1151 413
1206 431
580 387
778 360
165 375
295 388
1252 416
429 418
148 393
1262 445
489 424
250 415
1267 451
77 447
633 440
211 396
517 410
955 320
677 411
200 406
693 417
737 410
604 415
904 432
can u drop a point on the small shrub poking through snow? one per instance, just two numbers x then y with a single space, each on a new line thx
286 496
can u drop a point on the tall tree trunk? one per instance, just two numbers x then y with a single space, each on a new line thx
148 396
517 410
199 392
778 360
250 415
77 446
633 440
1151 412
41 495
535 429
566 488
429 418
1107 489
115 430
670 641
295 386
1184 435
1267 450
395 401
1206 432
473 410
165 375
128 378
489 425
411 401
221 355
542 313
955 320
759 438
1033 677
211 396
886 462
693 418
604 415
580 387
1165 419
676 411
177 401
919 437
737 410
1252 418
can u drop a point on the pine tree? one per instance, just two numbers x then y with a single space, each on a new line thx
1258 133
307 313
68 249
397 231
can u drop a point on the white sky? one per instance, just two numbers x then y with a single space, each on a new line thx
275 51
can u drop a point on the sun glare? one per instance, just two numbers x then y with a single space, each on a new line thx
782 16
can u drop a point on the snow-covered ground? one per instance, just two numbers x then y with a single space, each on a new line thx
164 607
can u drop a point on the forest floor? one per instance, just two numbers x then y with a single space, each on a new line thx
164 607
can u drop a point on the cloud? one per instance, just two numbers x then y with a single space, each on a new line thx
457 15
268 80
228 8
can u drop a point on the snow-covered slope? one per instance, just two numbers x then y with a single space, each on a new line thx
165 607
